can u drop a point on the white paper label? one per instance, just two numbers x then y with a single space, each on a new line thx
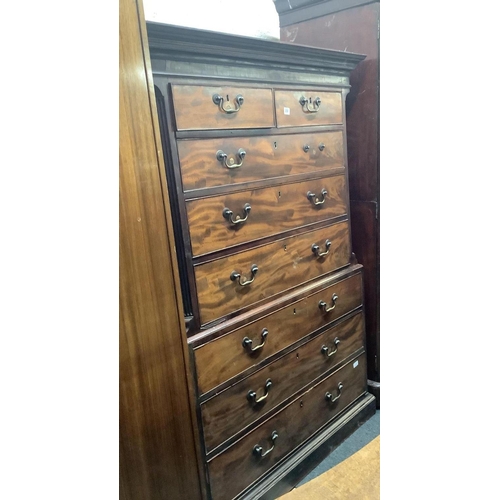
355 364
286 111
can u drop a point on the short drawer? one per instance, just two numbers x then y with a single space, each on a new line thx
307 107
225 161
227 356
199 108
240 465
235 282
241 404
224 221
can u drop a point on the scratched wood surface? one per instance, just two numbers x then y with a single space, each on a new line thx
225 357
195 109
282 264
266 158
237 467
274 210
231 411
290 113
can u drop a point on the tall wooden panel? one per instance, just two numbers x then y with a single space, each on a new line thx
157 448
353 26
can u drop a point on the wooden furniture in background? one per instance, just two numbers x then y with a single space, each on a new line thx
353 25
157 446
253 136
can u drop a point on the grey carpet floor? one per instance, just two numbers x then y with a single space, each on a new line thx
359 438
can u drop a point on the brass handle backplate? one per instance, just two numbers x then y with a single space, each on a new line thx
237 276
308 105
315 249
247 343
329 397
315 199
252 395
228 214
222 157
258 451
325 349
225 107
324 306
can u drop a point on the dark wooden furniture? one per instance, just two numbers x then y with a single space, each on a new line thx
353 25
254 144
155 410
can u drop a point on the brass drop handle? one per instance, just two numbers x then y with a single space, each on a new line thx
258 451
222 157
228 214
315 199
330 398
237 276
225 107
252 395
315 249
247 343
324 306
308 105
325 349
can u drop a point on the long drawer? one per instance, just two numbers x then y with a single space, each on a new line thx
240 465
224 221
229 355
208 163
307 107
200 108
229 284
240 405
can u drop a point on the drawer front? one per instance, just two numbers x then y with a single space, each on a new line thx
225 285
266 212
263 158
195 107
236 468
290 112
238 406
225 357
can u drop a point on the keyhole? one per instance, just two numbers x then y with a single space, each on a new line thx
227 97
275 145
301 404
294 311
297 355
310 99
279 194
284 248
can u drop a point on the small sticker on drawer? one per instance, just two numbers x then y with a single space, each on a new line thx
355 364
286 111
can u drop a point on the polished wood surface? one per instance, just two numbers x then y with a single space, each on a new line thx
225 357
231 411
282 265
355 28
236 468
266 158
158 457
195 109
274 210
289 111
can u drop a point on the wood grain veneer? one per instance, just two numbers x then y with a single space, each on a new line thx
282 265
289 111
231 411
266 158
238 467
274 210
225 357
195 109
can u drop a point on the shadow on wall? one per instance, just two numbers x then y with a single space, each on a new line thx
256 18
